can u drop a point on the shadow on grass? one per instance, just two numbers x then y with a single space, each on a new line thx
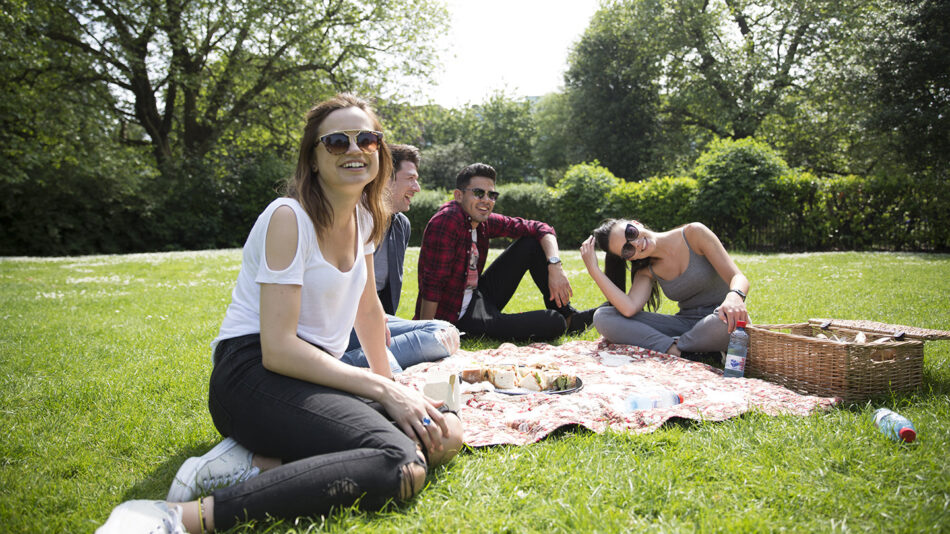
155 485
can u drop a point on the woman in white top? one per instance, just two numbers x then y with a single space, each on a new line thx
323 433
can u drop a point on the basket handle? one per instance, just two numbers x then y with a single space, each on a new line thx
898 336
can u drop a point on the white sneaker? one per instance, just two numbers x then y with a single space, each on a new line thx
226 464
154 517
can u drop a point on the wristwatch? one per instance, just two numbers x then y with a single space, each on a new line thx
738 292
554 260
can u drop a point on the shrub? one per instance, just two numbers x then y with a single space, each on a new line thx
530 201
440 164
424 205
580 201
736 187
660 203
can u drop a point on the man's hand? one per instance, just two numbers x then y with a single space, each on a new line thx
558 285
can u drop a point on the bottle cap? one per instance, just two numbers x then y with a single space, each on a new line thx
907 434
740 324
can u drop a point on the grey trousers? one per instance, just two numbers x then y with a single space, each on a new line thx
699 331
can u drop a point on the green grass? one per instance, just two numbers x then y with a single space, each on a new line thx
104 363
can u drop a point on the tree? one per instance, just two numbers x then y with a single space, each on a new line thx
613 89
910 75
501 136
699 69
497 132
189 71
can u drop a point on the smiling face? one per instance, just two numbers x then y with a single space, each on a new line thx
404 185
477 208
642 245
354 168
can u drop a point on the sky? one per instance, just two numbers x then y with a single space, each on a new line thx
518 46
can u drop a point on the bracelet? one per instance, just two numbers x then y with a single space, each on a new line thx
738 292
201 517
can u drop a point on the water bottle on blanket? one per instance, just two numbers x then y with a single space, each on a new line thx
894 425
652 398
737 351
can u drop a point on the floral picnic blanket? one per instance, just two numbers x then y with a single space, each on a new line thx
610 373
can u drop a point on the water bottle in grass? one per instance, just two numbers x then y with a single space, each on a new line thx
652 398
894 425
737 351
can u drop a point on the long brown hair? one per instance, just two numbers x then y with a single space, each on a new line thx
614 265
305 187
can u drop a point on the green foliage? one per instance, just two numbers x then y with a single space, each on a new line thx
497 132
424 205
554 145
613 90
659 203
580 201
501 137
887 212
910 54
528 201
249 184
150 112
440 164
735 186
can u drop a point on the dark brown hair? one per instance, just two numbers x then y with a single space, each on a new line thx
475 169
614 265
403 153
305 186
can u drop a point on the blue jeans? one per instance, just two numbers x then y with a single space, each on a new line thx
413 342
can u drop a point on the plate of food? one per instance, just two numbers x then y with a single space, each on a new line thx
512 379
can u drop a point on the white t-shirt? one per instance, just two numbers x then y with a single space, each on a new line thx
328 297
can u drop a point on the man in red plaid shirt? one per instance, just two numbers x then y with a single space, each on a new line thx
453 286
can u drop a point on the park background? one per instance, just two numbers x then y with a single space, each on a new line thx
130 126
165 127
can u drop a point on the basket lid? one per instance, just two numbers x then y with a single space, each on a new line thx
912 332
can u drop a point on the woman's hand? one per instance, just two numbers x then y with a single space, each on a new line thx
589 255
731 310
410 409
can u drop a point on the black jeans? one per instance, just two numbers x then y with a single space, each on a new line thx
498 284
335 446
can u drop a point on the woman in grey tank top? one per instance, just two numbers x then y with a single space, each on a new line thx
691 266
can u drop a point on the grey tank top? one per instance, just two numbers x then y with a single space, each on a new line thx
699 289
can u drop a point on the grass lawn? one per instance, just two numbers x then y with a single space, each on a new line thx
104 363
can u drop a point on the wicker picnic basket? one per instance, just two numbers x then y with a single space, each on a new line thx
891 360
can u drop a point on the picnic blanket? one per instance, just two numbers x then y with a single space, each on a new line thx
610 373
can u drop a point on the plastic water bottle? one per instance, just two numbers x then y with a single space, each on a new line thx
894 425
652 398
737 351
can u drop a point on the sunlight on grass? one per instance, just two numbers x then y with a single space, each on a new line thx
104 364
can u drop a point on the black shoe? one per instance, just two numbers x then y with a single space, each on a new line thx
578 321
709 358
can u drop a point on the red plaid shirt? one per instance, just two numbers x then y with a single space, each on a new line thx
446 242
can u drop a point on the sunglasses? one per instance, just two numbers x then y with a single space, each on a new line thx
480 193
630 233
339 142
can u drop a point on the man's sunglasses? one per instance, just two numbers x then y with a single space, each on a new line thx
339 142
480 193
630 233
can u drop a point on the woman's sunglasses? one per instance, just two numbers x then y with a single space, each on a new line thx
339 142
480 193
630 233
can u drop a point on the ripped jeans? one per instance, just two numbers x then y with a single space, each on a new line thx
413 342
335 446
